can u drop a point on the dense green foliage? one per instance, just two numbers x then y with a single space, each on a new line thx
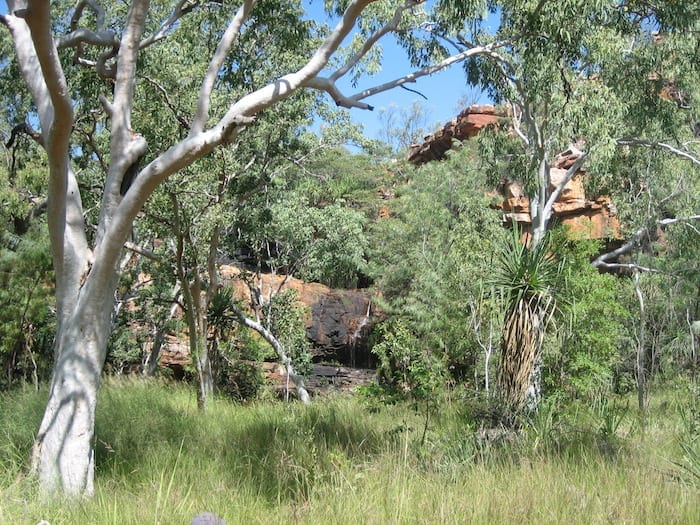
27 322
593 326
297 203
433 253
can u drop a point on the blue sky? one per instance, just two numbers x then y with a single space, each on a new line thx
443 90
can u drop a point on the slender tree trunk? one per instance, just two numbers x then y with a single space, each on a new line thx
151 364
641 351
197 328
204 374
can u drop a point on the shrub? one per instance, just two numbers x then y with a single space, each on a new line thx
240 380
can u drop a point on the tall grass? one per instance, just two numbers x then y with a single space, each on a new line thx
160 461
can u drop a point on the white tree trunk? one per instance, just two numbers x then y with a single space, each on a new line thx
63 452
205 375
641 360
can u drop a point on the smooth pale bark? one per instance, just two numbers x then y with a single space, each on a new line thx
63 451
298 380
641 358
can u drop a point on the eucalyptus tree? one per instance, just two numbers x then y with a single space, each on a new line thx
195 211
80 67
597 79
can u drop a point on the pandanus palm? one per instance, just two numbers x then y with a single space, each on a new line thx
527 277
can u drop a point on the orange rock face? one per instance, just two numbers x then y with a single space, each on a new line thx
464 126
584 218
589 218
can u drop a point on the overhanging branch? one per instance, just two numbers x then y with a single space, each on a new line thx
227 40
604 260
632 141
181 9
279 349
354 101
390 26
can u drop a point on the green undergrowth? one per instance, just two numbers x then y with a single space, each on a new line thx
344 461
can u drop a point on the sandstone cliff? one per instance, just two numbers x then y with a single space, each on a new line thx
589 217
464 126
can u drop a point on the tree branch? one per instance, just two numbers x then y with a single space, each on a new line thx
631 141
142 251
239 114
428 70
100 37
181 120
30 27
602 261
570 173
25 129
390 26
283 87
279 349
227 40
327 85
80 36
181 9
125 146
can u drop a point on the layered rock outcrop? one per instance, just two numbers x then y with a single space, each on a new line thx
464 126
594 218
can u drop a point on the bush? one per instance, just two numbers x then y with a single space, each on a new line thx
240 380
404 365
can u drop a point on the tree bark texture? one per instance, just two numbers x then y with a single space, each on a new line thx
63 453
520 348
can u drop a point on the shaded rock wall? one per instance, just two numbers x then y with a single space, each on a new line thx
338 322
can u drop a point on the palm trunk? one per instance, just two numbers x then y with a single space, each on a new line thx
520 353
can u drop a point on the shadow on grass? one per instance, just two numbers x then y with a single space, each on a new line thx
274 451
21 410
478 432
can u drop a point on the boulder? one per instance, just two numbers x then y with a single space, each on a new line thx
207 518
